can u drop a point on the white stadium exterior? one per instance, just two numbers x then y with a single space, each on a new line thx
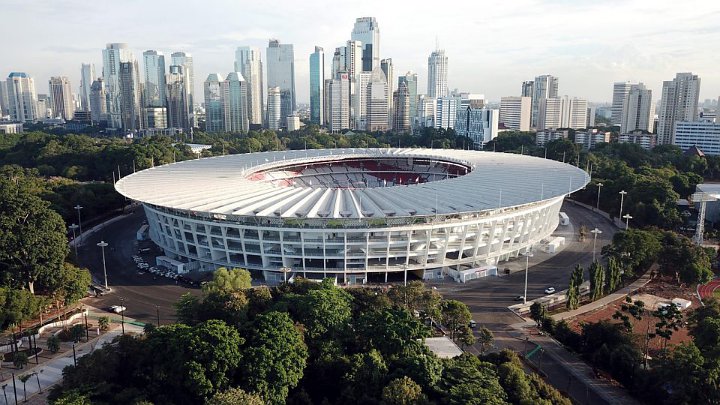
352 214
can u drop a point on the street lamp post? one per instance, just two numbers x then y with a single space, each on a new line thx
122 314
599 185
528 255
102 244
78 208
595 232
627 217
285 271
157 311
73 227
622 199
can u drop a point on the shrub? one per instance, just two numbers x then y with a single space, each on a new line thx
104 323
53 344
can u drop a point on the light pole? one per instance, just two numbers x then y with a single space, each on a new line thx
528 255
595 232
285 271
405 267
78 208
73 227
599 185
627 217
157 311
622 199
122 314
102 244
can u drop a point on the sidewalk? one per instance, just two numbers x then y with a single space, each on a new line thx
619 294
50 372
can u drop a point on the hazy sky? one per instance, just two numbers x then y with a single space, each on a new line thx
492 46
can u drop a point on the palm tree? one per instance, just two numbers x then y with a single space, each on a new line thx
24 379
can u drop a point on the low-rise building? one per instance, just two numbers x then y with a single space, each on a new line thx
11 128
646 141
704 135
545 136
589 139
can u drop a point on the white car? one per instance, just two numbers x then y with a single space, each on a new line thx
550 290
117 309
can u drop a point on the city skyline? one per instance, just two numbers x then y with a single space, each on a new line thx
621 48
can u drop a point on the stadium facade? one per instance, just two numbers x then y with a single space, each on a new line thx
352 214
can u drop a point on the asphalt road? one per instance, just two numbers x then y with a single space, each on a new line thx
145 295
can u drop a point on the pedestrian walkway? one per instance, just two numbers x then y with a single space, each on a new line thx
49 373
619 294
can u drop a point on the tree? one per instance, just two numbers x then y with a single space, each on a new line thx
70 283
24 379
274 360
53 344
228 281
573 292
366 378
597 281
390 330
324 312
403 391
20 359
635 248
485 338
455 315
415 296
103 323
612 275
467 380
32 236
186 308
670 320
537 313
235 396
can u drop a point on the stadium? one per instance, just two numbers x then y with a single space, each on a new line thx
356 215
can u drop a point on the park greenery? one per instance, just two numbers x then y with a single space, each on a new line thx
301 343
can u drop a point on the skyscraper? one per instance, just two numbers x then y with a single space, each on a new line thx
274 108
131 117
186 61
359 110
437 74
177 100
249 64
679 103
113 55
401 103
87 75
544 87
445 112
339 100
234 90
377 106
4 103
527 89
61 101
155 84
620 93
478 124
317 86
515 112
562 112
410 80
22 98
214 111
98 101
281 73
387 67
366 30
638 110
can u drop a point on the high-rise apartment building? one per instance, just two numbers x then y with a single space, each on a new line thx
446 112
401 104
366 30
186 61
281 73
44 109
155 84
249 63
214 111
113 55
156 117
339 101
638 110
620 93
338 61
478 124
515 112
274 108
562 112
61 100
544 87
87 76
437 74
679 103
359 111
387 67
527 89
426 112
234 90
22 98
131 116
317 86
98 101
377 106
410 80
177 98
4 103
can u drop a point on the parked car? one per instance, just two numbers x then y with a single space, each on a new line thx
473 324
520 298
550 290
117 309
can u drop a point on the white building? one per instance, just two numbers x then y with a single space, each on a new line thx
367 32
249 63
185 60
98 101
177 98
638 111
274 109
11 128
22 98
478 124
360 100
281 73
679 103
445 112
438 74
113 55
87 75
646 141
426 107
562 112
544 87
590 139
515 112
704 135
620 93
155 84
377 106
234 91
293 122
339 101
545 136
61 100
387 67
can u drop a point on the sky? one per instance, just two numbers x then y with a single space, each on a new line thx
492 46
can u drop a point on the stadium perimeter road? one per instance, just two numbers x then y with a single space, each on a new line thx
489 298
145 295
